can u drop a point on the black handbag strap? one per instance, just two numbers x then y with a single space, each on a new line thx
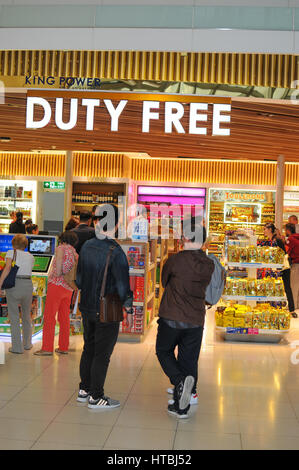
14 256
103 288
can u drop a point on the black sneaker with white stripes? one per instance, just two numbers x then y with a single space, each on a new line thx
103 403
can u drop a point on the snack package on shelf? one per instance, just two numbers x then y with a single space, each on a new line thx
228 321
278 288
251 287
260 287
252 254
263 316
255 254
265 287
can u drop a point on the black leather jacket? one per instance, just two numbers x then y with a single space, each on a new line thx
91 266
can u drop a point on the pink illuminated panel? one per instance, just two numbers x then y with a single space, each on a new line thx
170 191
173 200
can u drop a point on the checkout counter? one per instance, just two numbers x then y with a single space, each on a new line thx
42 247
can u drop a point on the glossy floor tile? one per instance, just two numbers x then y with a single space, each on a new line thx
248 399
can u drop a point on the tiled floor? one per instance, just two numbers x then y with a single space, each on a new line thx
249 399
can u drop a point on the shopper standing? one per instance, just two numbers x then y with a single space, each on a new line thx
83 230
59 296
293 219
100 338
185 277
21 294
18 226
270 232
292 246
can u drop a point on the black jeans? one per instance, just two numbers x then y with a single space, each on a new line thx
188 342
286 277
99 341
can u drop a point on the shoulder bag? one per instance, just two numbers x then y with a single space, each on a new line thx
10 280
111 309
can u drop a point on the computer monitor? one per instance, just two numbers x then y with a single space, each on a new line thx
41 245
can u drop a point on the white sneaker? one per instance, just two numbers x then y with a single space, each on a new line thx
103 403
193 400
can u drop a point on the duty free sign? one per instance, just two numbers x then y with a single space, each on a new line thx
178 114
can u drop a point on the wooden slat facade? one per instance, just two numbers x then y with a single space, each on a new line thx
266 70
108 165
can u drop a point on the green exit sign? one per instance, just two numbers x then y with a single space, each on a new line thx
54 185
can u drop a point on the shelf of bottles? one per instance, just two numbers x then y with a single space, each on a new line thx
91 198
87 195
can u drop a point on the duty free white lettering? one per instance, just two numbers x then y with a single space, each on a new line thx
173 115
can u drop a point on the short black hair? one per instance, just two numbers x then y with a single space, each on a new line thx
19 216
291 228
28 222
31 227
68 237
271 227
85 215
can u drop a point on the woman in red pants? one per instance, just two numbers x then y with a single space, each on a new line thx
59 296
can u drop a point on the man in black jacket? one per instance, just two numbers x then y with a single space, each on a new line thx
185 277
83 231
100 338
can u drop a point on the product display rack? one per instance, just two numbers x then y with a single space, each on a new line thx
218 226
16 196
142 259
251 334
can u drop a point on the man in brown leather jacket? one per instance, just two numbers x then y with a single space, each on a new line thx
185 278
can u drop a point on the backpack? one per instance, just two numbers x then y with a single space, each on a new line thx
215 288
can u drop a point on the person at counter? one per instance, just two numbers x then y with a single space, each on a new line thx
18 226
59 296
273 239
83 230
21 294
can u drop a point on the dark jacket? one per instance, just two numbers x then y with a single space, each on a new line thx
185 277
293 248
14 227
84 233
91 266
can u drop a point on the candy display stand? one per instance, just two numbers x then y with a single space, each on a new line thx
248 333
